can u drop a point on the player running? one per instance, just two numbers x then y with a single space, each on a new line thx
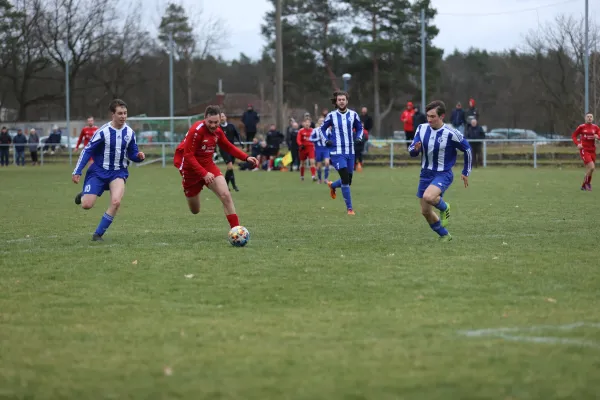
437 144
110 146
306 149
194 160
589 132
321 153
232 134
86 133
340 141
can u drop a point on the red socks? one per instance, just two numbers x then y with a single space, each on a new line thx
271 163
233 220
313 171
302 170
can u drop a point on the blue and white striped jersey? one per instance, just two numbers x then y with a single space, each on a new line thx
342 133
110 148
438 148
318 139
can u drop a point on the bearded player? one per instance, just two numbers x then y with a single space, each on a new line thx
194 160
587 148
340 130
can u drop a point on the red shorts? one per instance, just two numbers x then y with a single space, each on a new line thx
588 156
193 183
307 153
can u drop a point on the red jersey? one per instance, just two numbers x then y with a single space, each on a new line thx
303 138
86 135
197 148
407 118
589 133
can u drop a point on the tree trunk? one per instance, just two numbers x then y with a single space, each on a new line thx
376 107
189 82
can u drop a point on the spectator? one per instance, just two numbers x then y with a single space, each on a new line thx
407 119
365 118
418 118
250 119
359 148
457 119
472 112
324 113
475 132
53 140
34 142
20 141
5 141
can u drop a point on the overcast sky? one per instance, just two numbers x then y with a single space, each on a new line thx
484 24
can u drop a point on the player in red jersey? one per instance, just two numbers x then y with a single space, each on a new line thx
589 132
86 133
194 160
306 149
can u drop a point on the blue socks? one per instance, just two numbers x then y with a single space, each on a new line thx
442 206
319 174
337 184
326 173
347 197
104 224
439 229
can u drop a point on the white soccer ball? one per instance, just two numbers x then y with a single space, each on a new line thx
239 236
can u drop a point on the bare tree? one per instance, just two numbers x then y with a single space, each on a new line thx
117 64
74 31
559 53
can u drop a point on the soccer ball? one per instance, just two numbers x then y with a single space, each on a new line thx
239 236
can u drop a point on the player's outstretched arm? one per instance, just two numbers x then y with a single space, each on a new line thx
575 137
133 153
86 153
357 125
228 147
461 143
415 147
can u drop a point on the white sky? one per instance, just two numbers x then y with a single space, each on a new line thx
460 22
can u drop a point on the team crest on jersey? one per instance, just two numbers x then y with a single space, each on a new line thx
441 139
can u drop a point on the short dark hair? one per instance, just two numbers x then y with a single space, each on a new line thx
116 103
91 116
439 107
212 110
339 93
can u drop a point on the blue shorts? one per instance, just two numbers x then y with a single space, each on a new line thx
97 180
321 153
443 180
343 161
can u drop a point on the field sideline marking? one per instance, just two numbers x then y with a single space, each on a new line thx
508 334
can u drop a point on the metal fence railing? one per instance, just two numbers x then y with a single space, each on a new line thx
392 153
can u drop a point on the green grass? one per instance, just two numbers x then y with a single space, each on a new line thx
319 305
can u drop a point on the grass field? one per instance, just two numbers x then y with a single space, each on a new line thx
319 305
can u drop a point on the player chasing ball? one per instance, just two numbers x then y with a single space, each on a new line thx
111 147
194 160
340 141
306 149
437 144
589 132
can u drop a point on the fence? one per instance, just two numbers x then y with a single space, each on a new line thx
392 153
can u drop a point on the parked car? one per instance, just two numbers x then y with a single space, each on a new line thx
519 134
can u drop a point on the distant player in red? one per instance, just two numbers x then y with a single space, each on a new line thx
194 160
86 133
306 149
589 132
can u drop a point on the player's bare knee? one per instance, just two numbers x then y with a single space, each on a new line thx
86 205
225 197
429 198
115 203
